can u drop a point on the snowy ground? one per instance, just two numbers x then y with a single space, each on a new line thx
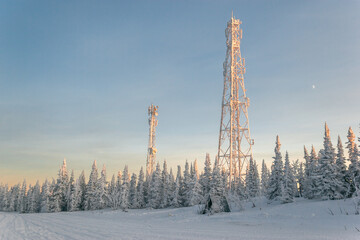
303 219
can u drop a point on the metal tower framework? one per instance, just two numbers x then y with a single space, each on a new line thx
235 142
151 154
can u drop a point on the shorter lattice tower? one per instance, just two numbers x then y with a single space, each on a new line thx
151 154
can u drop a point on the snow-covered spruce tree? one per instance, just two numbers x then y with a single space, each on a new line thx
13 194
186 187
35 203
14 198
101 192
45 197
252 180
176 198
124 196
140 190
62 186
247 180
91 189
155 188
329 184
353 176
28 199
10 200
191 169
195 189
239 191
256 179
70 190
306 187
75 197
205 178
225 178
341 170
146 188
51 196
275 188
112 195
216 200
133 202
54 197
301 180
295 166
289 182
22 198
171 186
3 193
82 184
119 188
7 198
165 187
264 178
17 195
312 176
4 198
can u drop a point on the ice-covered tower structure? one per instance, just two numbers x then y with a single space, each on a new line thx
151 154
235 143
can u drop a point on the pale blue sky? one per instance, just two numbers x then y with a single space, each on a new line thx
76 78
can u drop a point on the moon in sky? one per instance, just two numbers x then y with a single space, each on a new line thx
313 86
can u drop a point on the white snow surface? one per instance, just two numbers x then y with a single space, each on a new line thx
303 219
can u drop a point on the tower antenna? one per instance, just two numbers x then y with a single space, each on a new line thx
235 143
151 154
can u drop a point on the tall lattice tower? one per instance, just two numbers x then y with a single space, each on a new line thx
234 141
151 154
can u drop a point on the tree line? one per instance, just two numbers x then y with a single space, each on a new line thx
325 175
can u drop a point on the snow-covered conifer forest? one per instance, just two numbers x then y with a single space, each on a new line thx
323 175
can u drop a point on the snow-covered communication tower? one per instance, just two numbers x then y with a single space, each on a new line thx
151 155
235 143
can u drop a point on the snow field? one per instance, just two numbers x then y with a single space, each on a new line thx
303 219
